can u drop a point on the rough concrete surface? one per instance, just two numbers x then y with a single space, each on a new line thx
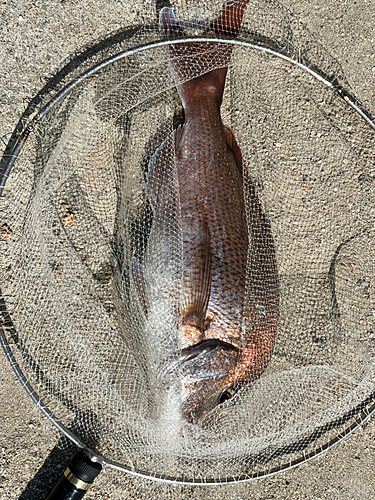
35 40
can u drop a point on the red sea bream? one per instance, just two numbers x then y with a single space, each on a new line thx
225 313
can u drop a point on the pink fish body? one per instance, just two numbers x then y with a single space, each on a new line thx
228 300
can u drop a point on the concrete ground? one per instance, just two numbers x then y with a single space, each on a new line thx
35 40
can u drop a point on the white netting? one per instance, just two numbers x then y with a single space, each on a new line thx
82 225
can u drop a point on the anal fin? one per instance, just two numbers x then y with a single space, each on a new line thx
138 279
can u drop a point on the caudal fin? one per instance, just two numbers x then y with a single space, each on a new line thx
202 67
230 18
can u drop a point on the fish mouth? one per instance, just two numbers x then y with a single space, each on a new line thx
179 360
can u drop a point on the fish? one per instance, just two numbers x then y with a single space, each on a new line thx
208 286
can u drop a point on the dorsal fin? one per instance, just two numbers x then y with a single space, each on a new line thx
234 147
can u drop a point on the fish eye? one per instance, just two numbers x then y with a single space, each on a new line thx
227 394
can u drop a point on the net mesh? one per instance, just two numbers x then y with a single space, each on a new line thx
78 222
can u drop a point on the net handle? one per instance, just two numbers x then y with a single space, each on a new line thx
77 479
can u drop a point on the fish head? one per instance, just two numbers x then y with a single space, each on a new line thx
207 380
213 372
202 379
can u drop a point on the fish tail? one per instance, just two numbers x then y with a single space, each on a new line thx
201 68
230 18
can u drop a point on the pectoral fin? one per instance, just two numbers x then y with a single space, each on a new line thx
197 278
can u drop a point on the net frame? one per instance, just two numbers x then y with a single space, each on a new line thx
358 415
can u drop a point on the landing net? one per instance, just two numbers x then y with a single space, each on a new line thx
74 213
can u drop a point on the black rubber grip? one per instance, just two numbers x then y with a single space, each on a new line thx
82 467
73 484
64 490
